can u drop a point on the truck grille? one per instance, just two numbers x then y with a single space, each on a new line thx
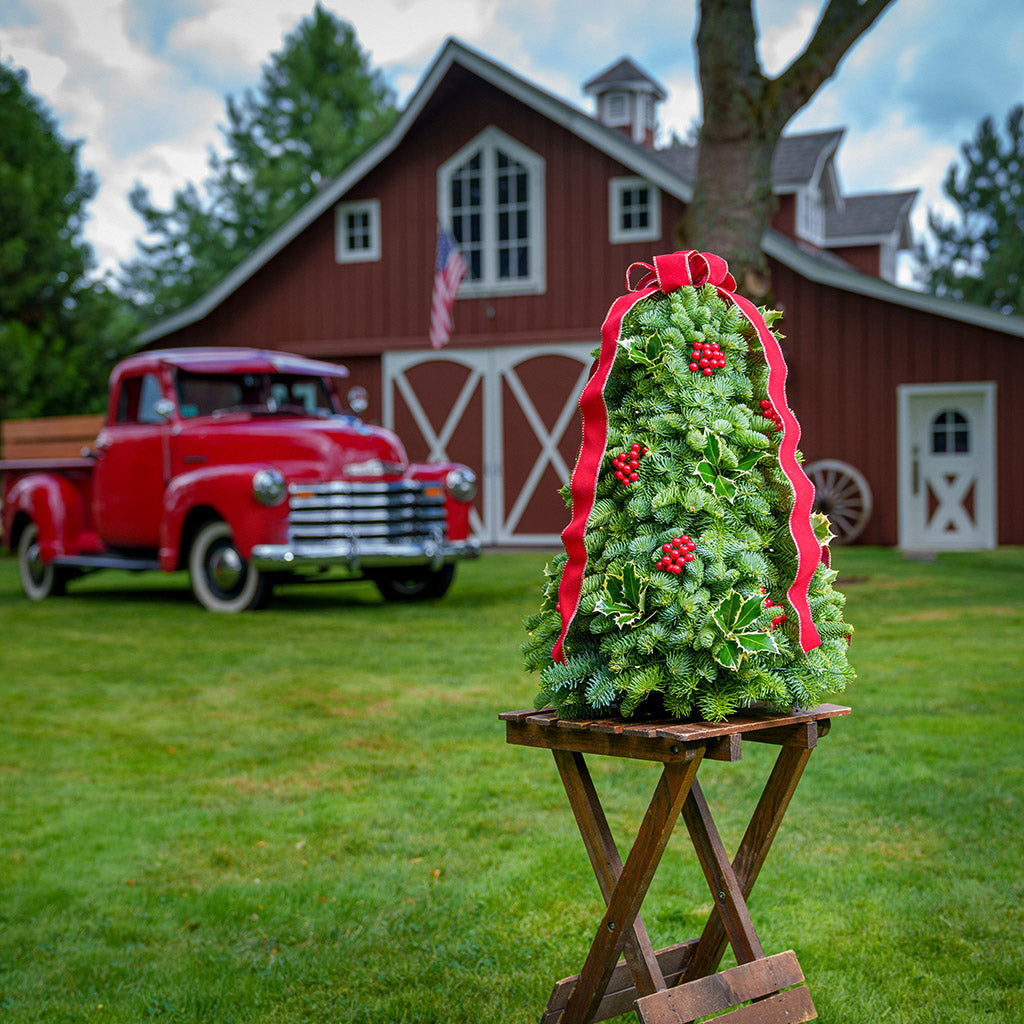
401 511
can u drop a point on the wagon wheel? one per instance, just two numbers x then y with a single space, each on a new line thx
843 495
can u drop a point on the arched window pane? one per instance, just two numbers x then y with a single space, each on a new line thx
951 433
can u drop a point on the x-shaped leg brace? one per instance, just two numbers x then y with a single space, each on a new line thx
602 989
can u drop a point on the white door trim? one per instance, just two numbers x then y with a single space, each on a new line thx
950 494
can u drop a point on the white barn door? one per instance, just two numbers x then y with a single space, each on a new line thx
511 414
947 467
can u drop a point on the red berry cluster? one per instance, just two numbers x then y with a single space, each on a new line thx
627 464
779 619
769 413
676 554
706 357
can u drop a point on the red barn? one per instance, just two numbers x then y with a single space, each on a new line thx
901 395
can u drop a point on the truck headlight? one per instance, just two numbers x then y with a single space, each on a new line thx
461 483
268 487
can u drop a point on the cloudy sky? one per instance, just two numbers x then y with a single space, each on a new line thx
143 82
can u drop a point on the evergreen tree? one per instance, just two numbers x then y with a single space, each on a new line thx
683 606
978 256
318 105
60 330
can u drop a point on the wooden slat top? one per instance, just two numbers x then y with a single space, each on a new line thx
44 464
547 720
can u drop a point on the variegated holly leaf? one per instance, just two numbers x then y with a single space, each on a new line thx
734 616
736 612
713 449
822 528
623 598
748 462
646 351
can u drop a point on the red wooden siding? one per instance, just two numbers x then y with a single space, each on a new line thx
866 258
303 299
784 220
847 353
439 384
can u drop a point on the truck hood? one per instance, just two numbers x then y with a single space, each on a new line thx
302 448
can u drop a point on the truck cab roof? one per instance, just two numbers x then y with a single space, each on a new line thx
229 360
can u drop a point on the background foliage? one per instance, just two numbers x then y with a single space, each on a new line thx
60 329
318 105
978 255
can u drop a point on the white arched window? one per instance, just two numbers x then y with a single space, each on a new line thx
490 196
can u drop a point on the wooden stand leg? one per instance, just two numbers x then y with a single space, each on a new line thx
607 864
625 900
752 853
726 890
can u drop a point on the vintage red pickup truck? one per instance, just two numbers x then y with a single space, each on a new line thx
242 467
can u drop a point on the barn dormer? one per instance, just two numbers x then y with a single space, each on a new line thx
627 100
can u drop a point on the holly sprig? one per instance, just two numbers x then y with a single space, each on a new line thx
624 597
734 617
713 467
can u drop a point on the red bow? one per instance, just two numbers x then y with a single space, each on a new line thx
669 272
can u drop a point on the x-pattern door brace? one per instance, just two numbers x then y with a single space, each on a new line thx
549 453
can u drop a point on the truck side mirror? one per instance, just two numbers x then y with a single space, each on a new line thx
163 407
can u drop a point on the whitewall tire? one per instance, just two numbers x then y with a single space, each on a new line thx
222 580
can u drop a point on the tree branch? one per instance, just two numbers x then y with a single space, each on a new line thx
842 23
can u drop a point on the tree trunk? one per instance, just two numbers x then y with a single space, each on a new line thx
744 114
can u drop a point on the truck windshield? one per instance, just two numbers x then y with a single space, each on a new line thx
267 394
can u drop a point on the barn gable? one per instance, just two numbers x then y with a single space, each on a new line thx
349 278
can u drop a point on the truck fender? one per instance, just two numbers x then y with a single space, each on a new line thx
54 504
221 492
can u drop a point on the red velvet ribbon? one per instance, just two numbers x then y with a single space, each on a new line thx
669 272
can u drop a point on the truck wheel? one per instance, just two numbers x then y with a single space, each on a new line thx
414 584
222 580
38 580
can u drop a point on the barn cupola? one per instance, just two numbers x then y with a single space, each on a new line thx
627 100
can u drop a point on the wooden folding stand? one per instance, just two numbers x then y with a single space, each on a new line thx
678 984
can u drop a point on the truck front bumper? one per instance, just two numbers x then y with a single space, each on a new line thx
359 553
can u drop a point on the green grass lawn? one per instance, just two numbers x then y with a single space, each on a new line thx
310 813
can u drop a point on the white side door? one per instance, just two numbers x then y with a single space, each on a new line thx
947 466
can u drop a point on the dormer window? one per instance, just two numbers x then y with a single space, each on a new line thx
634 210
357 231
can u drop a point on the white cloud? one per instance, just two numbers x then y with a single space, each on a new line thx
780 43
682 108
234 38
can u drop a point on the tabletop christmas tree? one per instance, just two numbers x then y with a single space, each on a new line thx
693 583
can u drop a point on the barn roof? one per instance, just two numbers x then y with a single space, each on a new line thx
797 160
671 170
837 274
868 216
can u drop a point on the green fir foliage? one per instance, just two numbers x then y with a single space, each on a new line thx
719 635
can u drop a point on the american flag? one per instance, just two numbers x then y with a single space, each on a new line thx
449 270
